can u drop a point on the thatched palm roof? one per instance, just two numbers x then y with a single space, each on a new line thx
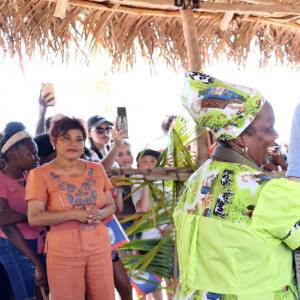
224 26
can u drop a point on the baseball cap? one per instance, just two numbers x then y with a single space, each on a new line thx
97 120
146 152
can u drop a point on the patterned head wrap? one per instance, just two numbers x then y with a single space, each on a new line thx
227 109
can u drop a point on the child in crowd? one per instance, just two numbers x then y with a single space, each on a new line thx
147 159
126 207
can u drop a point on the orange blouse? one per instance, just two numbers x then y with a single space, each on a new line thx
61 192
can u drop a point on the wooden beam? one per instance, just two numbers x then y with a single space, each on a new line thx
250 8
169 173
265 2
176 13
124 9
169 4
272 22
142 3
204 7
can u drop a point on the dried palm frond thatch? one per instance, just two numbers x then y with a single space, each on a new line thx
225 27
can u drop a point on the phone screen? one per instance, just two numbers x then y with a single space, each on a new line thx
121 120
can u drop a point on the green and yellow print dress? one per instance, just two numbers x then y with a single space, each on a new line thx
236 230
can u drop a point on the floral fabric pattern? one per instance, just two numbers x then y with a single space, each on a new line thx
78 196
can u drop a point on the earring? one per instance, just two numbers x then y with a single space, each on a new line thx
53 147
245 150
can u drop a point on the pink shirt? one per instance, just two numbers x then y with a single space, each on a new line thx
14 192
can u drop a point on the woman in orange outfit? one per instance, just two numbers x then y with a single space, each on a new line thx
73 197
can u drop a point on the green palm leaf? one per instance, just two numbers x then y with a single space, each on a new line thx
157 256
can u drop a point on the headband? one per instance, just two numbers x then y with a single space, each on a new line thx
19 136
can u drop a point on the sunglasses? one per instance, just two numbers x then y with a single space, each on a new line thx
100 130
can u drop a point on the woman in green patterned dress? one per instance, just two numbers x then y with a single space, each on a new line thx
236 228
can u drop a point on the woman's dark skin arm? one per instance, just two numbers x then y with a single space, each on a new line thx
8 218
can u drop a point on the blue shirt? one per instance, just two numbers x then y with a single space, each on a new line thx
294 146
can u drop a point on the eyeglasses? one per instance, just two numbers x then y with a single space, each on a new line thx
101 130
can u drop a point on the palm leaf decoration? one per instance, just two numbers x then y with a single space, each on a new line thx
157 256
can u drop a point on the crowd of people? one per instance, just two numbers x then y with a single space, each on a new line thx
55 193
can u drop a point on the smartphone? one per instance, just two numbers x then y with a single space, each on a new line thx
46 89
121 120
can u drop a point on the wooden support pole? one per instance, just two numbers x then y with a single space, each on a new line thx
191 39
194 60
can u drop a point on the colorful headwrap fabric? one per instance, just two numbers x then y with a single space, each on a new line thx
227 109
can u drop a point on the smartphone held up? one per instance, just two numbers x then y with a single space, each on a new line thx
47 88
121 120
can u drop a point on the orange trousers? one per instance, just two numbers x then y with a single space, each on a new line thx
71 277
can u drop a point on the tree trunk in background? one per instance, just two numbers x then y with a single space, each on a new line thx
194 60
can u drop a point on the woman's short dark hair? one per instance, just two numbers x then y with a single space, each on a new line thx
61 126
11 129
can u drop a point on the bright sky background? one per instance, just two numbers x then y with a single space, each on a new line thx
84 90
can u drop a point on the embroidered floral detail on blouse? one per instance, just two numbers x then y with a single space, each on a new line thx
79 196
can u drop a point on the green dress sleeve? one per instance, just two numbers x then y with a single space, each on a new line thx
277 212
